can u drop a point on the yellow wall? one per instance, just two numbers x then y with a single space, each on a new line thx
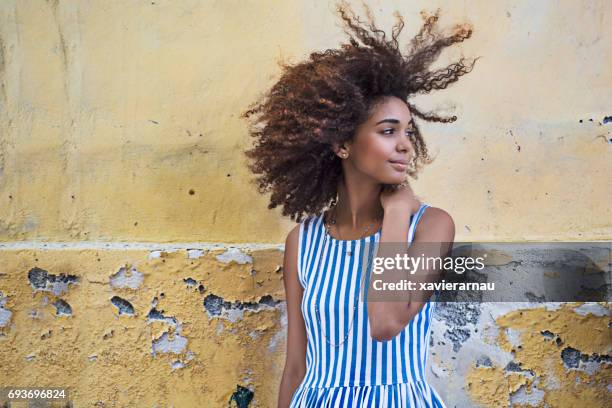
120 146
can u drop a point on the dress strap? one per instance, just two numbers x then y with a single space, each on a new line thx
308 233
415 219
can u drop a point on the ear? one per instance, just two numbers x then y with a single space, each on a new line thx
339 149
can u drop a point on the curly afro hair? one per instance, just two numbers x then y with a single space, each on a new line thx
323 100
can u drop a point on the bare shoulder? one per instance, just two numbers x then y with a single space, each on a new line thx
436 223
436 215
292 235
291 254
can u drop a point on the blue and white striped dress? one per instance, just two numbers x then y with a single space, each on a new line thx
359 372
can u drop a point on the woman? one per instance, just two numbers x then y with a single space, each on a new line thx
335 141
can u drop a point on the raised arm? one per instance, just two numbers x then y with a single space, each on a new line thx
388 319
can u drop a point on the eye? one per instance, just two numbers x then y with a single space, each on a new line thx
410 133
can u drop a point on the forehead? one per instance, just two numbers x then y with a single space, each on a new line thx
390 108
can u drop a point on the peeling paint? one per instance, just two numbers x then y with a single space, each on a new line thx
194 253
527 396
491 387
574 359
513 336
62 307
548 334
41 280
216 306
235 255
5 314
159 254
546 374
516 368
280 335
595 309
177 364
518 351
123 306
484 361
5 317
169 344
155 314
123 279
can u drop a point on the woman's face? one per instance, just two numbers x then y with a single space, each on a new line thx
386 137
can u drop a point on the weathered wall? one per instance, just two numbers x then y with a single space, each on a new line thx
137 264
144 328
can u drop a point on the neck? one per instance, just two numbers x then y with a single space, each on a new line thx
358 204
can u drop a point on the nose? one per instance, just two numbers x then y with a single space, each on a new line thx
405 145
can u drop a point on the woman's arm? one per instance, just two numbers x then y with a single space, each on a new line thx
387 319
295 364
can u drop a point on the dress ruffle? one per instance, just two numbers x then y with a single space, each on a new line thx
413 394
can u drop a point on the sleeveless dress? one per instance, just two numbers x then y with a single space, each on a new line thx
359 372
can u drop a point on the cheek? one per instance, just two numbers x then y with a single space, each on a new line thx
375 154
381 149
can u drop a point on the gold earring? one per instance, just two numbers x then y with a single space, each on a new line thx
344 155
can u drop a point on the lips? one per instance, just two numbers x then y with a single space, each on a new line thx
399 165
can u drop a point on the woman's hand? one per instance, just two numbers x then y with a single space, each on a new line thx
399 196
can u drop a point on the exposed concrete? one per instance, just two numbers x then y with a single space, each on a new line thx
40 279
5 314
123 279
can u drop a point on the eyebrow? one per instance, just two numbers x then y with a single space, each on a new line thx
394 121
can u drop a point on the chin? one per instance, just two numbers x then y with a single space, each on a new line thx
393 180
397 180
388 178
